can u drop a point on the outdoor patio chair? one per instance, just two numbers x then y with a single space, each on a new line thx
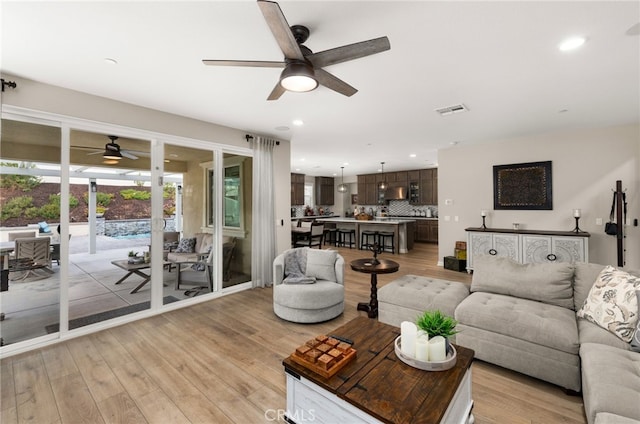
32 254
201 260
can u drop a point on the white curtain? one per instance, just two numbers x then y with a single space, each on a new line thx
263 239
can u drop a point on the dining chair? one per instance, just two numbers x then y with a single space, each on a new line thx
314 238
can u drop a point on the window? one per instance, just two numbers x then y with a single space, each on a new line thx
232 200
308 194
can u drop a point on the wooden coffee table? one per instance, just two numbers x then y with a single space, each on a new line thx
377 387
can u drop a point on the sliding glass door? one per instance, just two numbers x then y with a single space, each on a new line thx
30 242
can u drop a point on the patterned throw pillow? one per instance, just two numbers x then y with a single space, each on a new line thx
186 245
635 342
612 303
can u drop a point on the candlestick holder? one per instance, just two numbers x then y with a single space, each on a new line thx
375 247
577 229
484 227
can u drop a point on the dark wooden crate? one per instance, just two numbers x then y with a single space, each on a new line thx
454 264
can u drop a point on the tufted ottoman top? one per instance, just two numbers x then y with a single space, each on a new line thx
424 293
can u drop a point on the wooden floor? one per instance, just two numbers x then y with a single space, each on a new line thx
220 362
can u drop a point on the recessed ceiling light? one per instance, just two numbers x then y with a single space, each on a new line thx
110 61
298 122
412 155
282 128
571 43
297 169
563 111
173 155
453 143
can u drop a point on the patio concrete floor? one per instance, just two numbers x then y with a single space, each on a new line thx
32 304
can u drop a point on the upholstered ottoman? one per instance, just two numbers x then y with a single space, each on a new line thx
409 296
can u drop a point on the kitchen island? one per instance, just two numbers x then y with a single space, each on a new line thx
402 229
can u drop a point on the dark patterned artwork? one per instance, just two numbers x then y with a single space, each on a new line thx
522 186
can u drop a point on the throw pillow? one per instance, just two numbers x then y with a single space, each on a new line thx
612 302
186 245
549 282
635 341
321 264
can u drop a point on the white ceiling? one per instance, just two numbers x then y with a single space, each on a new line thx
500 59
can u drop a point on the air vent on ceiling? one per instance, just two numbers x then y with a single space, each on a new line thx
444 111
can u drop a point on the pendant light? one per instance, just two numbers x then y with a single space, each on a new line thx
342 187
382 185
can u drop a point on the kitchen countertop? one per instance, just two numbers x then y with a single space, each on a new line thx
377 220
433 218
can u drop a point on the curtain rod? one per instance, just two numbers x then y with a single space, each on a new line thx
250 137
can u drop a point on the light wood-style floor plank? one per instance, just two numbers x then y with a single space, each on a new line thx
35 401
221 362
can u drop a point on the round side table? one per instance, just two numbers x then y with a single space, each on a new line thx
368 266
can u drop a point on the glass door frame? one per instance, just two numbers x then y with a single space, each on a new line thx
157 142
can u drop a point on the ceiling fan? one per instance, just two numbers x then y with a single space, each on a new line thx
303 68
112 150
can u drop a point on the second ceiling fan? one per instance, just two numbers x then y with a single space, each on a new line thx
303 68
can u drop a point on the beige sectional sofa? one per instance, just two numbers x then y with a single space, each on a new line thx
523 317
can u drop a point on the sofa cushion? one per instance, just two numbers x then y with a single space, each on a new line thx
610 381
635 341
421 294
586 275
524 319
321 264
612 302
592 333
546 282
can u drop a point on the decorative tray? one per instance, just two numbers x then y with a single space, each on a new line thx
452 357
324 355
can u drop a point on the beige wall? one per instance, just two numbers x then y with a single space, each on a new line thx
585 167
47 98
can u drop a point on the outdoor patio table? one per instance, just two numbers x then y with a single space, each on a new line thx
137 270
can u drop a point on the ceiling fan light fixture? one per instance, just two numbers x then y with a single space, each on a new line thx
112 151
298 77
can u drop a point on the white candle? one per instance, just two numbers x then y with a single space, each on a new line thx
483 213
576 213
422 347
408 334
437 349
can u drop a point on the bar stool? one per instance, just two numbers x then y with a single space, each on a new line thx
342 237
367 239
331 236
383 236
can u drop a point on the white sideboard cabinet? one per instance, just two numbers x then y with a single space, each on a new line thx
527 246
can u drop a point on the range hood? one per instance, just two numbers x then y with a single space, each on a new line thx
395 193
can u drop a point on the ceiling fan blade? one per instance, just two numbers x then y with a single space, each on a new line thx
277 91
349 52
334 83
280 29
249 63
96 153
128 155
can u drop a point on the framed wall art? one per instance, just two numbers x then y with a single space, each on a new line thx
525 186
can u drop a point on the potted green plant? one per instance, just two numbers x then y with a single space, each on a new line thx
435 323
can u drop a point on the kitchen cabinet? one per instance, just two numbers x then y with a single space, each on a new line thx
429 186
297 189
422 186
324 190
426 230
527 246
